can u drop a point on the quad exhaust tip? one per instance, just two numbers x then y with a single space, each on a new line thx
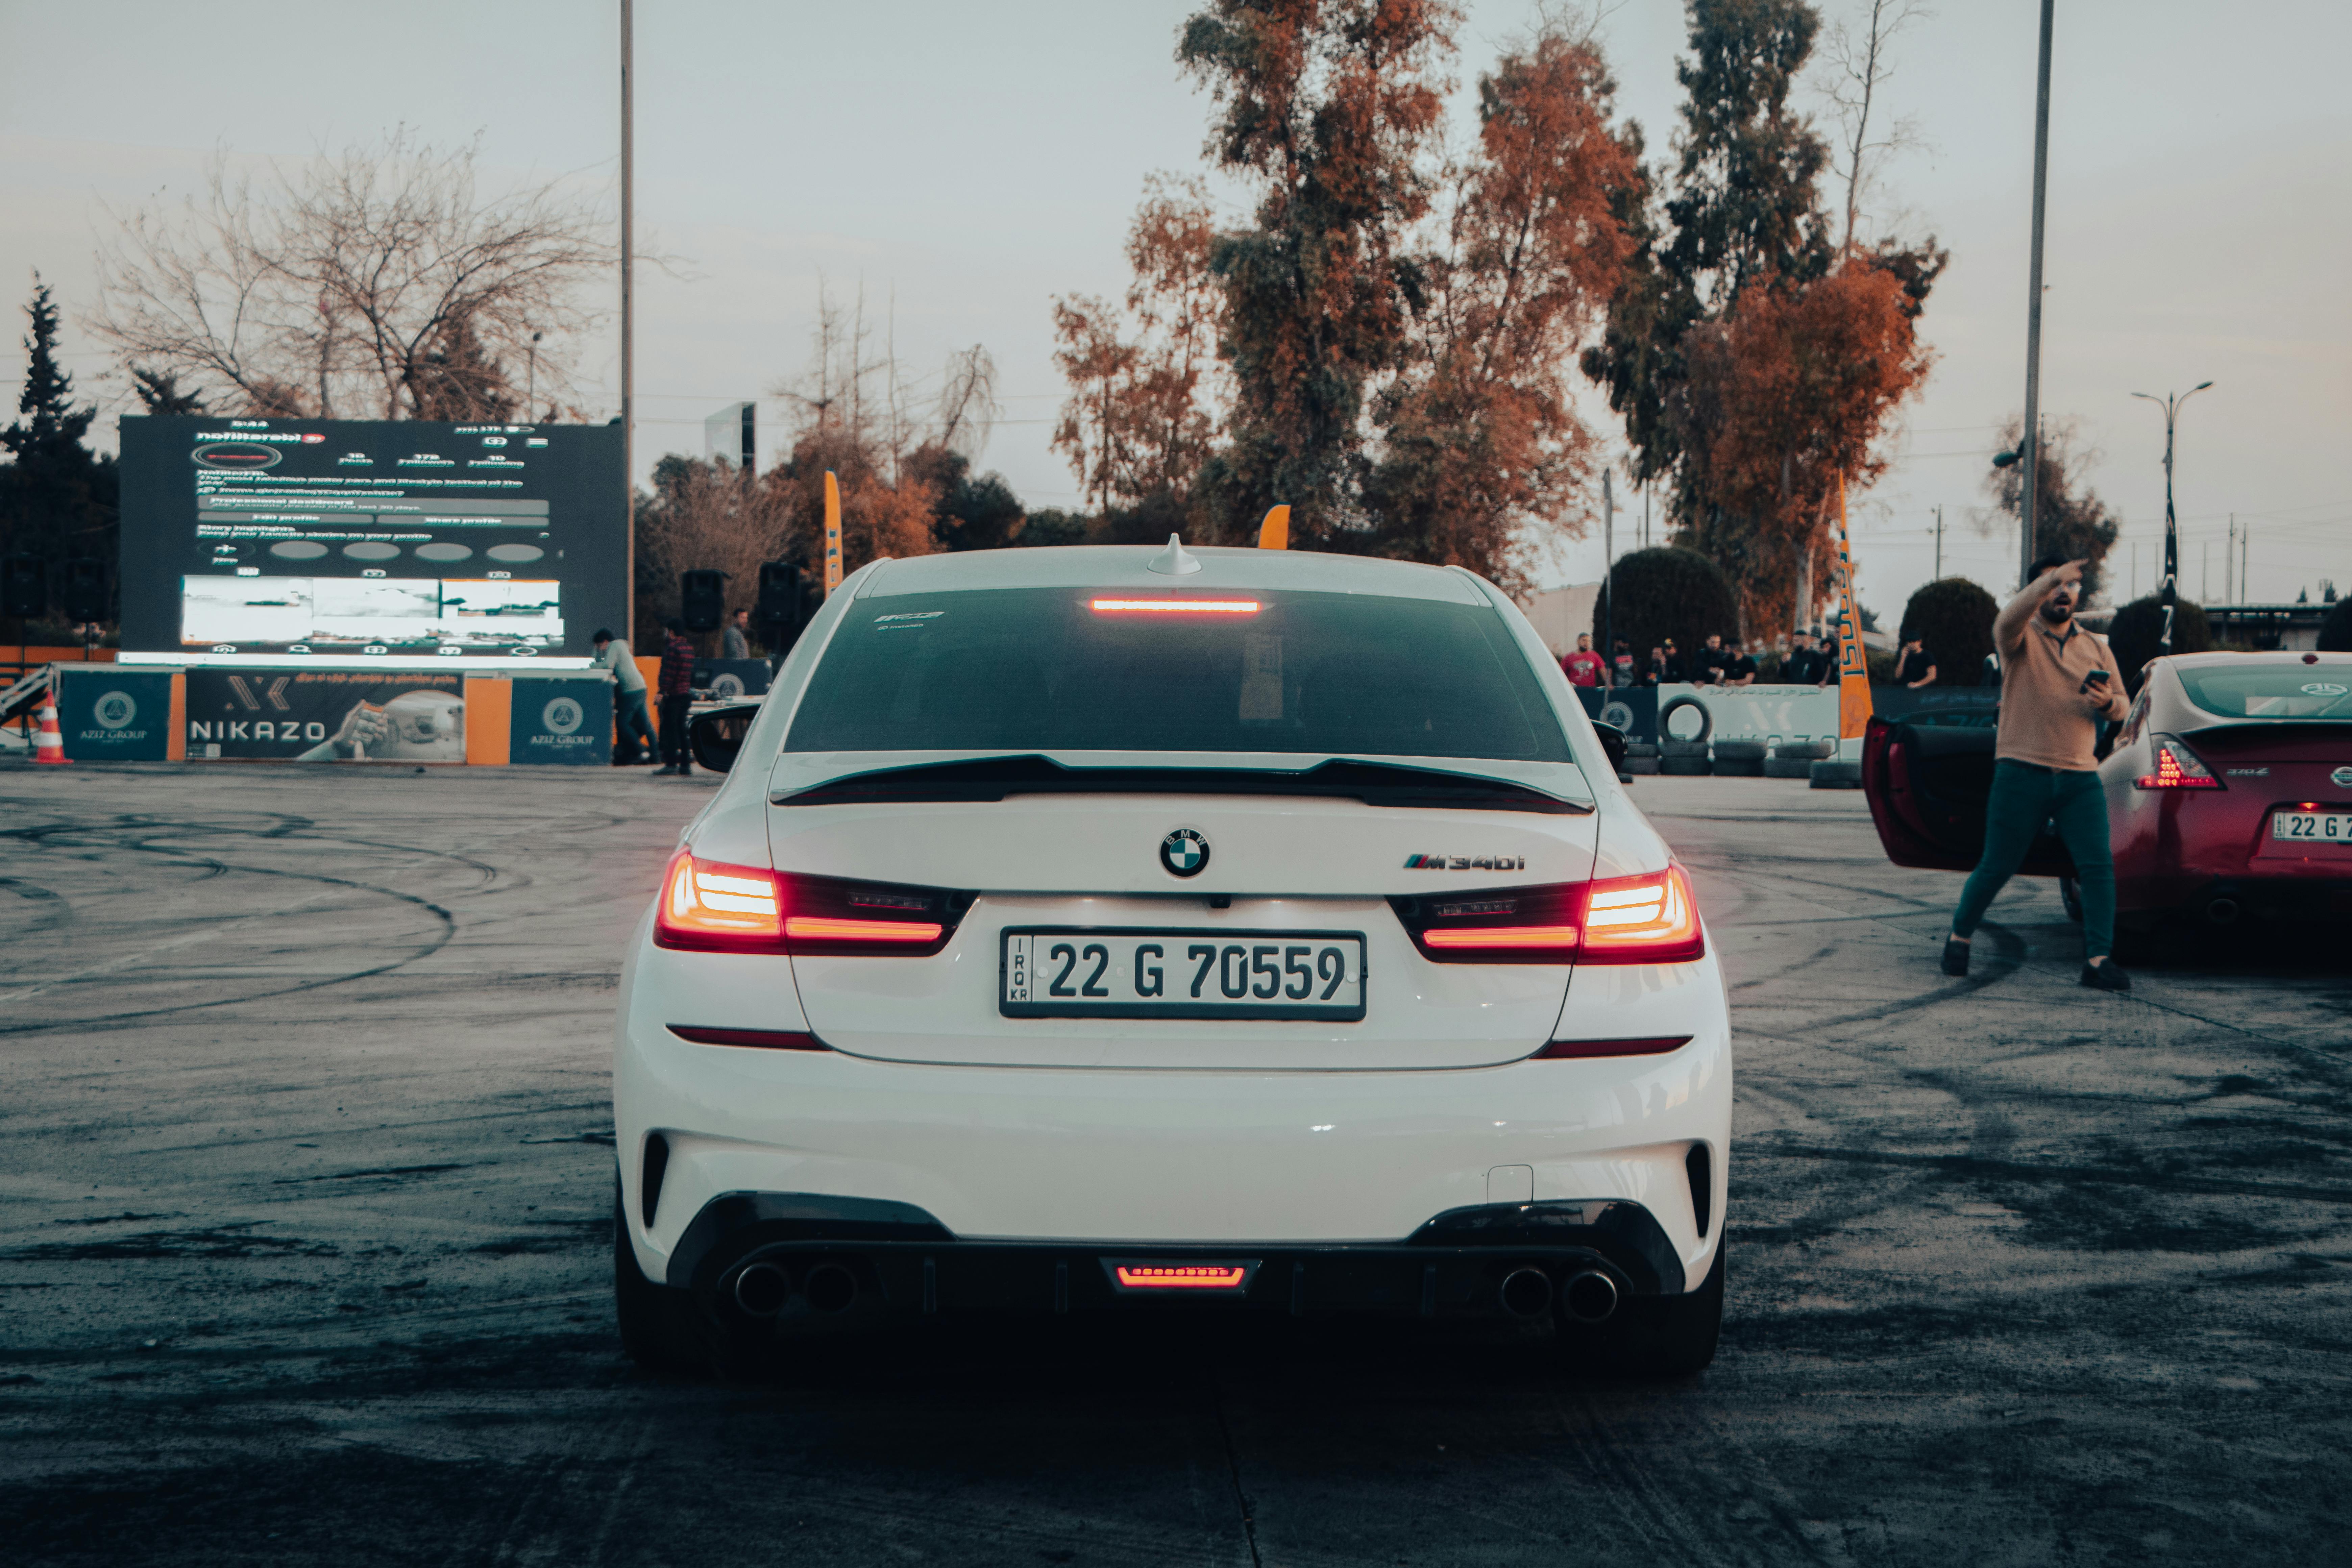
1590 1297
1526 1293
831 1288
762 1289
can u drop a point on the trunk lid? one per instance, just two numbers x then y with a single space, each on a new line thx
1276 865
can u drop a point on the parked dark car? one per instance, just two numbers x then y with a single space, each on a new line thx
2229 791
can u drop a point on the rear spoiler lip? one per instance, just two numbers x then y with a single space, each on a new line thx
979 779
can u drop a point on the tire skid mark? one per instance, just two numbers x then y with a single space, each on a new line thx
1976 1167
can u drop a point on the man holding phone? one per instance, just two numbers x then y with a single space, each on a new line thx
2059 682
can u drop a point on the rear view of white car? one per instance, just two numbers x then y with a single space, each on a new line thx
1093 928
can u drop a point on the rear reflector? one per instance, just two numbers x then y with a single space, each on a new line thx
768 1039
1656 1046
1176 606
1181 1276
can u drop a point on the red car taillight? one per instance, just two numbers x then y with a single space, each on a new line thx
707 906
1649 919
2177 767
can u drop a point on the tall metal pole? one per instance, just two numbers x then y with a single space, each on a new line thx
628 310
1607 580
2031 462
2170 403
1939 544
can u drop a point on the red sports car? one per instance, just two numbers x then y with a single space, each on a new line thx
2229 791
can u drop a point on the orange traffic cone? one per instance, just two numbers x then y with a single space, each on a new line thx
49 746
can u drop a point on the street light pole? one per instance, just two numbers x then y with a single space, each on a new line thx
2170 403
628 313
2032 459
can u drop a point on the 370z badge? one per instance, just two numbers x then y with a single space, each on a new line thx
1184 853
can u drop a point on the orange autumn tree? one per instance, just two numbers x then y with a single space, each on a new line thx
1137 427
1479 447
1385 341
1793 388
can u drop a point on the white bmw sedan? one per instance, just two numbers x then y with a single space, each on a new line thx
1083 928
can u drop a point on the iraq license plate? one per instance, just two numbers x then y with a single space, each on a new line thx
1083 972
2312 826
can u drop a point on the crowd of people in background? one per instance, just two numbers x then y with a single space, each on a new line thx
1810 659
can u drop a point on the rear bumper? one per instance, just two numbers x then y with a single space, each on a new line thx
2305 896
903 1260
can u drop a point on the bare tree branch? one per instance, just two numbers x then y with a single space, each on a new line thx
1857 60
374 283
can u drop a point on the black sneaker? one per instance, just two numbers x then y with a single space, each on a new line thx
2107 976
1956 957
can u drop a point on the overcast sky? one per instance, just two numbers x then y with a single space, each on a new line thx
970 162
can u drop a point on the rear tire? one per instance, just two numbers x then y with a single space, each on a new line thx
1653 1337
656 1323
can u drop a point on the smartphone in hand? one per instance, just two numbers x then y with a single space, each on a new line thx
2096 678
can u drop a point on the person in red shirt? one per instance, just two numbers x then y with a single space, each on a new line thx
676 685
1583 667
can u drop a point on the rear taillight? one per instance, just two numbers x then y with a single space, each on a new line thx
710 906
1649 919
2177 767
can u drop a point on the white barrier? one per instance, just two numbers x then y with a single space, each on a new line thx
1771 713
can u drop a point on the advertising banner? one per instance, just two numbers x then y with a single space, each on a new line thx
323 716
565 722
1633 709
110 715
728 677
1854 665
287 538
1762 713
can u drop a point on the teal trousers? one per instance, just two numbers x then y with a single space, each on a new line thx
2024 797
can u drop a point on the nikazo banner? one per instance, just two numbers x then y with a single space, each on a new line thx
110 715
567 722
326 716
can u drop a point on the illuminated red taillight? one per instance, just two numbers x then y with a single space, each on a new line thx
1649 919
1176 606
708 907
811 928
1181 1276
2177 767
1504 936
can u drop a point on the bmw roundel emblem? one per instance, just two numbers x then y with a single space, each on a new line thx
1185 852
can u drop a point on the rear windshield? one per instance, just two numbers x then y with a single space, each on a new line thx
2271 691
1046 669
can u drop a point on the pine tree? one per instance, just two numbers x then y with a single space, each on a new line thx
56 497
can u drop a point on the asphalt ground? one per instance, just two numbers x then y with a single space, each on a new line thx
306 1156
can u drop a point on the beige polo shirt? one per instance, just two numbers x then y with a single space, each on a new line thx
2046 718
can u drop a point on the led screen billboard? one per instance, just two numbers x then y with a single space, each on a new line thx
287 538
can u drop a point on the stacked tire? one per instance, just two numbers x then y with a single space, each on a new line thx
1740 759
1837 773
1685 758
1641 757
1795 759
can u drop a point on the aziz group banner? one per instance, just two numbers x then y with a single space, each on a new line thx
729 678
110 715
321 716
566 722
